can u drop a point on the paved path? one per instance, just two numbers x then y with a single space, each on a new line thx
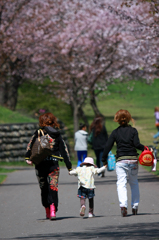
22 216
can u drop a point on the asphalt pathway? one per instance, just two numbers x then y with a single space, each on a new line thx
23 217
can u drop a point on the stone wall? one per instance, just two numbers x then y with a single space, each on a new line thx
15 137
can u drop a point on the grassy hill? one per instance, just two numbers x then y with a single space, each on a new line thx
33 98
140 103
8 116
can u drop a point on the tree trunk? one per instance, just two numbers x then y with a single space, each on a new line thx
94 105
2 93
75 116
83 116
9 92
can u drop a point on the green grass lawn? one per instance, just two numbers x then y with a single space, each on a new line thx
2 178
140 103
4 170
8 116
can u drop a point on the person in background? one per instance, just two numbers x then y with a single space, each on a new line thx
100 137
127 141
157 121
81 143
86 184
47 171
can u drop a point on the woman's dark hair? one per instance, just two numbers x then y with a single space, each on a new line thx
123 117
82 125
48 119
97 125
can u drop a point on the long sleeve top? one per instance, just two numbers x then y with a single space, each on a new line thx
85 175
100 140
59 148
127 140
81 140
157 116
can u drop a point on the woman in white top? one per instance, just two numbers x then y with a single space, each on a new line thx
81 143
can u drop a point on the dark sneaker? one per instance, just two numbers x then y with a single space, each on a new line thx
134 211
123 211
82 210
103 174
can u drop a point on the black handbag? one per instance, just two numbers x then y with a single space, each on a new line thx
42 148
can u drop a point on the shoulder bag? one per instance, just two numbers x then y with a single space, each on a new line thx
42 148
111 162
146 158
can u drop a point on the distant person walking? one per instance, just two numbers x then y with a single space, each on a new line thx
47 171
127 140
156 121
100 137
86 184
81 143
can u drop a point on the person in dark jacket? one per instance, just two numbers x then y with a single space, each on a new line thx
47 171
127 141
100 137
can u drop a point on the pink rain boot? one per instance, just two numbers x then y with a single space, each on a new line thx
47 212
52 212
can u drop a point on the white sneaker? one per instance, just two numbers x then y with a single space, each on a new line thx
90 215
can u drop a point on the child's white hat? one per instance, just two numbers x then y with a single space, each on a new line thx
88 161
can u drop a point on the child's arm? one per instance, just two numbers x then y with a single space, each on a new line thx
99 170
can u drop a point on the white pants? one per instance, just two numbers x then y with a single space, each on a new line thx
124 169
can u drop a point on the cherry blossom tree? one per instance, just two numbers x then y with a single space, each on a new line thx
93 52
12 63
80 45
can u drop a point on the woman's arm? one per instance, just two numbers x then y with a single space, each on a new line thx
136 142
108 147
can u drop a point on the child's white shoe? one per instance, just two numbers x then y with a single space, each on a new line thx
90 215
82 210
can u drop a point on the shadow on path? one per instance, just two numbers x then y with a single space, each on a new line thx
132 231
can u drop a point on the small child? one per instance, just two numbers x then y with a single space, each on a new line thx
86 183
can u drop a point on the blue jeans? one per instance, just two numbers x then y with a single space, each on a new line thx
81 155
156 135
123 170
85 193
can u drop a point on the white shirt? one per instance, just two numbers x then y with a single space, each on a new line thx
85 175
81 140
157 116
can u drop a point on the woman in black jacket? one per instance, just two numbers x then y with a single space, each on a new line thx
127 140
48 170
100 137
